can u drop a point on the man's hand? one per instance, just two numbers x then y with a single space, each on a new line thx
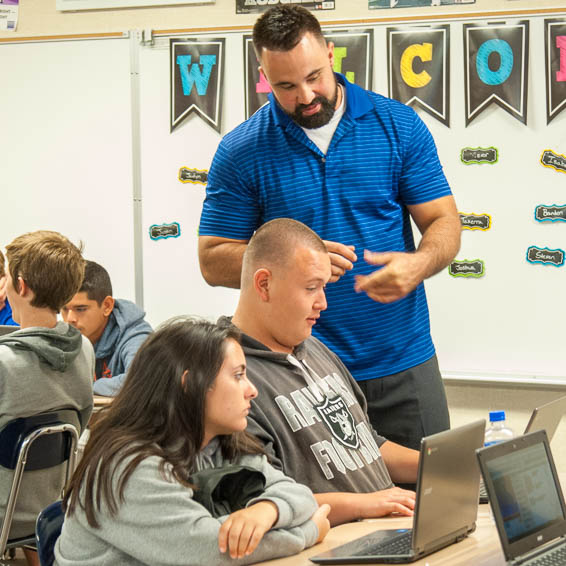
3 290
242 531
342 258
387 501
400 274
320 518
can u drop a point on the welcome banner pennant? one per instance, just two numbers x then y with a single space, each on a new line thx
197 73
419 69
555 59
496 68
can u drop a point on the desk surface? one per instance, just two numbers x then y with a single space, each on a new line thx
100 401
481 548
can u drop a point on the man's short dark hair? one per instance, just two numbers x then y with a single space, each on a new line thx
282 27
96 283
274 244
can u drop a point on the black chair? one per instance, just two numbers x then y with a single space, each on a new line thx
47 531
35 443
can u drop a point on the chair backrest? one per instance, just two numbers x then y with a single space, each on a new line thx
35 443
49 450
47 531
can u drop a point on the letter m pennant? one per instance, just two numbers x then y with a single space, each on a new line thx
197 69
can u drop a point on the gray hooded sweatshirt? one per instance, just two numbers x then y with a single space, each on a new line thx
159 522
41 369
312 418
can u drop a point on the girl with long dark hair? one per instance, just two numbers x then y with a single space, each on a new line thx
169 475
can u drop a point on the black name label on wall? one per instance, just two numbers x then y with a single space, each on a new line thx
471 155
475 221
466 268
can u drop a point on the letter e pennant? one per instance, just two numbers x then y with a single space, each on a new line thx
555 43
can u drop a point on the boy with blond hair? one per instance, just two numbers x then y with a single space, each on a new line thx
45 365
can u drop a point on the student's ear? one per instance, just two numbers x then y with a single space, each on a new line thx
22 288
107 306
262 282
184 378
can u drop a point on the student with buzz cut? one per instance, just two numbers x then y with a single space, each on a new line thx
115 327
310 413
45 364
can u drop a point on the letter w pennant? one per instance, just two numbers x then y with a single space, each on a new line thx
197 69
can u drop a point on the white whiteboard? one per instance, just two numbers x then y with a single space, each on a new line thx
172 281
509 322
66 122
66 159
497 325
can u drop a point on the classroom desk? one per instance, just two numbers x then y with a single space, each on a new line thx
481 548
101 401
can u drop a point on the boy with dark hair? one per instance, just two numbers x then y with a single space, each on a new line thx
115 327
45 365
5 309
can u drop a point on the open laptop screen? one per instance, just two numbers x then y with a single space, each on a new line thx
524 492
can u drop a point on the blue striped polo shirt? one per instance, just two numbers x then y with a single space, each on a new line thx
381 158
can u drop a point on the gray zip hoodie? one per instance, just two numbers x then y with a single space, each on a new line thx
311 416
41 369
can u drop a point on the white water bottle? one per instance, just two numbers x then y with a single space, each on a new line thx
497 431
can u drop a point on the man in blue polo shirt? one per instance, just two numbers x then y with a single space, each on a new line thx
355 167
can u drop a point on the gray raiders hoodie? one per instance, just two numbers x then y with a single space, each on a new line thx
311 416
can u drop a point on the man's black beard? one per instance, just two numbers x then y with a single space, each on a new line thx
321 118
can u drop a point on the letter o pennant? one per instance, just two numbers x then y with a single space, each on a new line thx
505 52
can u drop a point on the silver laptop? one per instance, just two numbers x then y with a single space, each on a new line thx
526 499
6 329
446 505
546 417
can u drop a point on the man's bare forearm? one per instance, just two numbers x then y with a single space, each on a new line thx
220 260
344 507
439 223
402 462
440 244
347 507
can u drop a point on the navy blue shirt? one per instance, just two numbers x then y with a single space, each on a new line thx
6 315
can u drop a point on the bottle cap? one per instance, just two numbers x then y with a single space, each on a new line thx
495 416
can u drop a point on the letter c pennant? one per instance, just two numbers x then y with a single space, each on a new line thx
419 67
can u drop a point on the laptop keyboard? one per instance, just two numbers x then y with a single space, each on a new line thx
554 557
400 545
